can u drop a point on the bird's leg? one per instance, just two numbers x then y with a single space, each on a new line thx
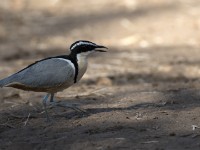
52 98
45 106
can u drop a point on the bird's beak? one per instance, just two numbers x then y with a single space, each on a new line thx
100 50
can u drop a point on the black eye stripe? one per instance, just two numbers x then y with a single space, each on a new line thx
84 49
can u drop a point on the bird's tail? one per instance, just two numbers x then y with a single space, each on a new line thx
6 81
3 82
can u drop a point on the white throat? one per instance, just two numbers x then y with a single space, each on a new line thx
82 64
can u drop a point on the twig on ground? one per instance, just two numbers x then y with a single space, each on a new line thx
7 125
25 123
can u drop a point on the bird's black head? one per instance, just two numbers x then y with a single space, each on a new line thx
85 47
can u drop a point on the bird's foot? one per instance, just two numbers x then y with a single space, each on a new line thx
67 105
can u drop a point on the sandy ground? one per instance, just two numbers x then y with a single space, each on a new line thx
142 94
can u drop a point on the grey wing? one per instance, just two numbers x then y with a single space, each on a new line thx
47 73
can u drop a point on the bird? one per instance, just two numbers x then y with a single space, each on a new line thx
54 74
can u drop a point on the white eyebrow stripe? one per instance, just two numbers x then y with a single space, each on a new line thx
82 43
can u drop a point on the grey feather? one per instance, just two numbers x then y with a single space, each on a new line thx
44 74
2 83
6 81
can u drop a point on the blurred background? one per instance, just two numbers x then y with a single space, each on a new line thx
138 30
153 57
156 32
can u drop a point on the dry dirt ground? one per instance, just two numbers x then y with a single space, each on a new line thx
144 93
